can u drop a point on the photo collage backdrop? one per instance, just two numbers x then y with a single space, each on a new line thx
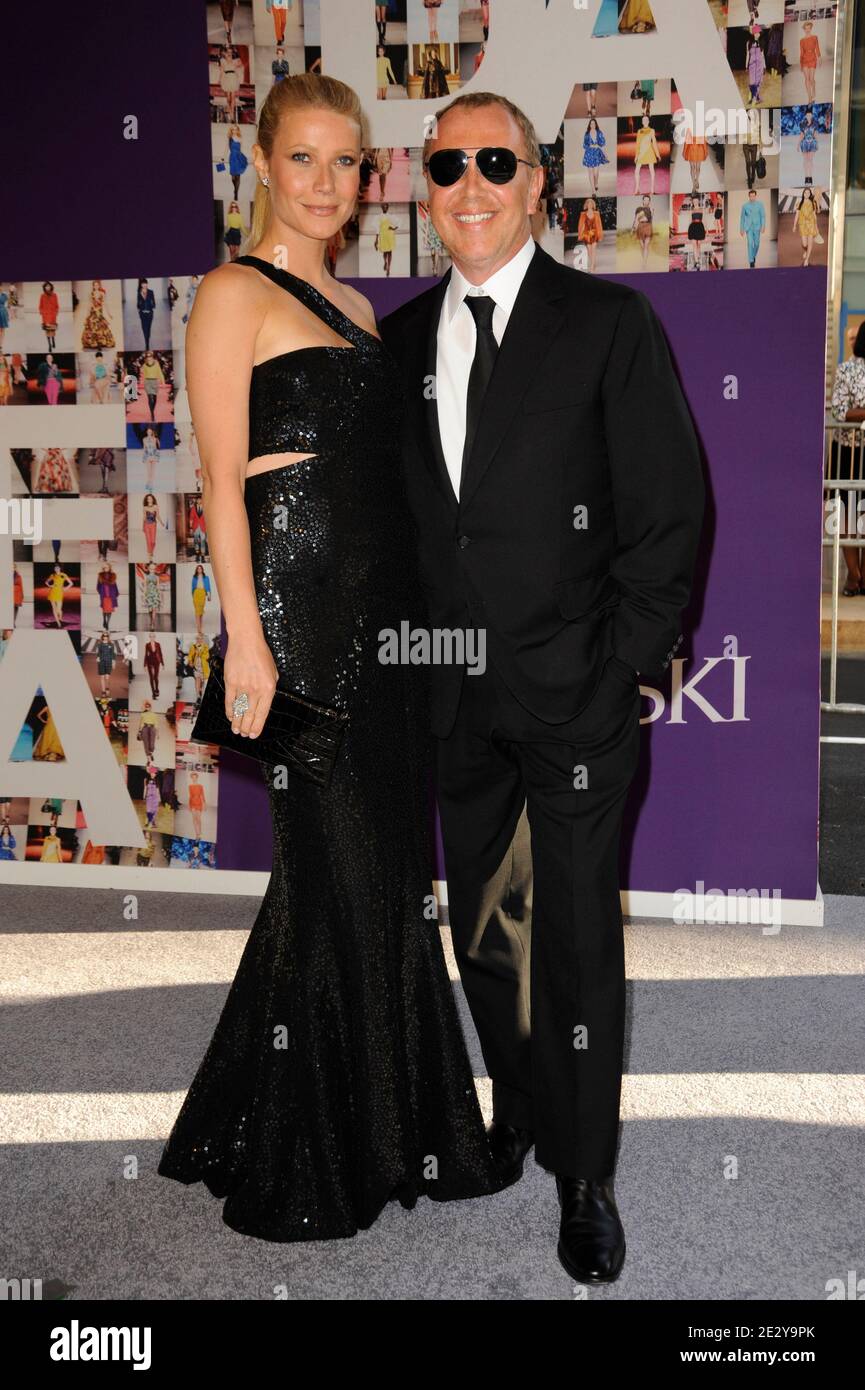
622 195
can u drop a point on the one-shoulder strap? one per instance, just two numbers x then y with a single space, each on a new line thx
314 300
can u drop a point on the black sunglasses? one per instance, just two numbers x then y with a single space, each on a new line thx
497 164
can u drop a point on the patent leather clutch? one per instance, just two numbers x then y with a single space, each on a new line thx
299 734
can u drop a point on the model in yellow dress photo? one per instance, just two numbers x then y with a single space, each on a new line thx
385 240
57 583
636 18
48 747
646 152
805 218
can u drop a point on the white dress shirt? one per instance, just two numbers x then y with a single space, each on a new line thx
456 341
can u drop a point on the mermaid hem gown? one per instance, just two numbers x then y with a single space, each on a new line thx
337 1077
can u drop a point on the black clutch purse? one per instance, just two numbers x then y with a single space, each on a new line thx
298 733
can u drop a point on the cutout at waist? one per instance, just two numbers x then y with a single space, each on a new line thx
270 463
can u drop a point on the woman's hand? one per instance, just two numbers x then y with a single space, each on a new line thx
249 668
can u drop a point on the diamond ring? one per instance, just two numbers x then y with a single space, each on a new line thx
241 704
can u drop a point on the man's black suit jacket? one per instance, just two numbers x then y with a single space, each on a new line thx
583 411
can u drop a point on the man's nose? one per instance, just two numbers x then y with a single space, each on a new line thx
473 179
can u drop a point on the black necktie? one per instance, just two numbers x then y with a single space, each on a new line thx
486 347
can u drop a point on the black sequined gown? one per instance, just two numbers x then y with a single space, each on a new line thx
337 1078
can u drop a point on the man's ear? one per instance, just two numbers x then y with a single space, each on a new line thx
536 188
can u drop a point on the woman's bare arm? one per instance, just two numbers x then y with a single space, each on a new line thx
220 341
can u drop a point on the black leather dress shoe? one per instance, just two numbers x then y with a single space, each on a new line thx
591 1237
509 1146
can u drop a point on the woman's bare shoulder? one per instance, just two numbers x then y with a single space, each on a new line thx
231 284
232 298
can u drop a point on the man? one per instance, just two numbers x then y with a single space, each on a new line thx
554 476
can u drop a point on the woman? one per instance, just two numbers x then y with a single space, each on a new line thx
49 312
590 230
97 331
47 747
642 228
229 81
151 517
99 380
384 73
51 848
846 461
197 528
235 159
152 377
234 229
805 219
594 154
382 163
152 661
385 238
147 730
435 247
198 659
696 152
150 454
647 151
309 1139
104 662
809 57
152 597
8 843
151 799
696 234
50 378
57 583
808 146
435 82
145 301
201 595
197 803
109 594
755 64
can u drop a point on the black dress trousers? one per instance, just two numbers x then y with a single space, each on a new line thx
531 819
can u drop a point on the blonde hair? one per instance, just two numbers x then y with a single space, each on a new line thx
306 90
470 100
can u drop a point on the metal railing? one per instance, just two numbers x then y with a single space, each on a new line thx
843 527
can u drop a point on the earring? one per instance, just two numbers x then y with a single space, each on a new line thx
264 181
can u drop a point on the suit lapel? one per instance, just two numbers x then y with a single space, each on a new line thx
535 319
422 387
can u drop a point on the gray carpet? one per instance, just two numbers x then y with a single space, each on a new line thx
741 1154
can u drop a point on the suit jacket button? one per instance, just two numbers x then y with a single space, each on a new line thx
463 541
